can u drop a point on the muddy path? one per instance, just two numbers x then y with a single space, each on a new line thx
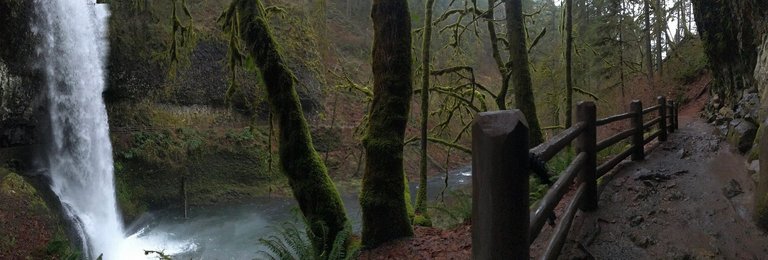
690 199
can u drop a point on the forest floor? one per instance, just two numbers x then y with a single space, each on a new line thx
29 228
690 199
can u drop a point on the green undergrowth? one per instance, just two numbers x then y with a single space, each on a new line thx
293 240
220 158
556 165
453 210
686 61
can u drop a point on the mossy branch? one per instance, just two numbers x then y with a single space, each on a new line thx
439 141
584 92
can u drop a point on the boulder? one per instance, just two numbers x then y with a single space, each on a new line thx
741 134
748 107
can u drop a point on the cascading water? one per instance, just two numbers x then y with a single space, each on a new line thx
80 154
79 157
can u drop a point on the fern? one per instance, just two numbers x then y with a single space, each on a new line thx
295 242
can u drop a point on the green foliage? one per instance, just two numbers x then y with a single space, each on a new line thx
61 249
455 209
556 165
687 61
423 220
295 241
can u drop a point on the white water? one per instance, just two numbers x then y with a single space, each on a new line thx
79 157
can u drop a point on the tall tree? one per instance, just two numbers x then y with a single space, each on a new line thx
421 196
568 63
520 72
619 10
649 50
501 99
382 199
659 28
319 202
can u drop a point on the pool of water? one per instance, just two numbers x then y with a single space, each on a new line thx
233 231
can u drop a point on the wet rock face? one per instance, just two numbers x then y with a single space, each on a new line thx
732 32
741 134
761 77
21 83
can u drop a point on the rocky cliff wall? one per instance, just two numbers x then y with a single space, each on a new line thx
21 81
733 33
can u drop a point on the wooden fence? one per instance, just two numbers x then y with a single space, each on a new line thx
503 224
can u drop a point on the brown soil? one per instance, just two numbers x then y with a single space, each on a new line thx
427 243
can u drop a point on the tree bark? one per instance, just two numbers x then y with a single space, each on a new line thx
314 191
568 63
649 50
660 26
421 195
520 72
385 216
501 99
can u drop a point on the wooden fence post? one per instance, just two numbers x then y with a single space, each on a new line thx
671 116
500 210
636 108
587 142
663 121
677 116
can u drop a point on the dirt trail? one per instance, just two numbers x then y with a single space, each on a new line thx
690 199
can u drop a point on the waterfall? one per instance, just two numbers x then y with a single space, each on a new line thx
79 155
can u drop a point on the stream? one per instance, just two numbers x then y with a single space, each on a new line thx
233 231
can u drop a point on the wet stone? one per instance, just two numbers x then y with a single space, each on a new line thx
636 220
732 189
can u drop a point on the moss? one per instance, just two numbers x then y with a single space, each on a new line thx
385 211
316 195
29 220
520 71
422 220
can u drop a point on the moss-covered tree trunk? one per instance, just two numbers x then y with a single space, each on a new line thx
568 63
382 198
318 199
521 74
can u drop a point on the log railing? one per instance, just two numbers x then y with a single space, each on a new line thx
503 224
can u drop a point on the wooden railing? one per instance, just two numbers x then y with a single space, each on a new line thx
503 224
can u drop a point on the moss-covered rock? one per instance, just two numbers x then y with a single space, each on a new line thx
29 228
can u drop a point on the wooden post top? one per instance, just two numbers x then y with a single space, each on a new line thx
495 123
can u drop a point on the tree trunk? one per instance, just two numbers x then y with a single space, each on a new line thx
314 191
421 196
501 99
659 40
521 74
649 50
620 12
382 199
568 63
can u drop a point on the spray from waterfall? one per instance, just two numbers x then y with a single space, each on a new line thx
79 156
